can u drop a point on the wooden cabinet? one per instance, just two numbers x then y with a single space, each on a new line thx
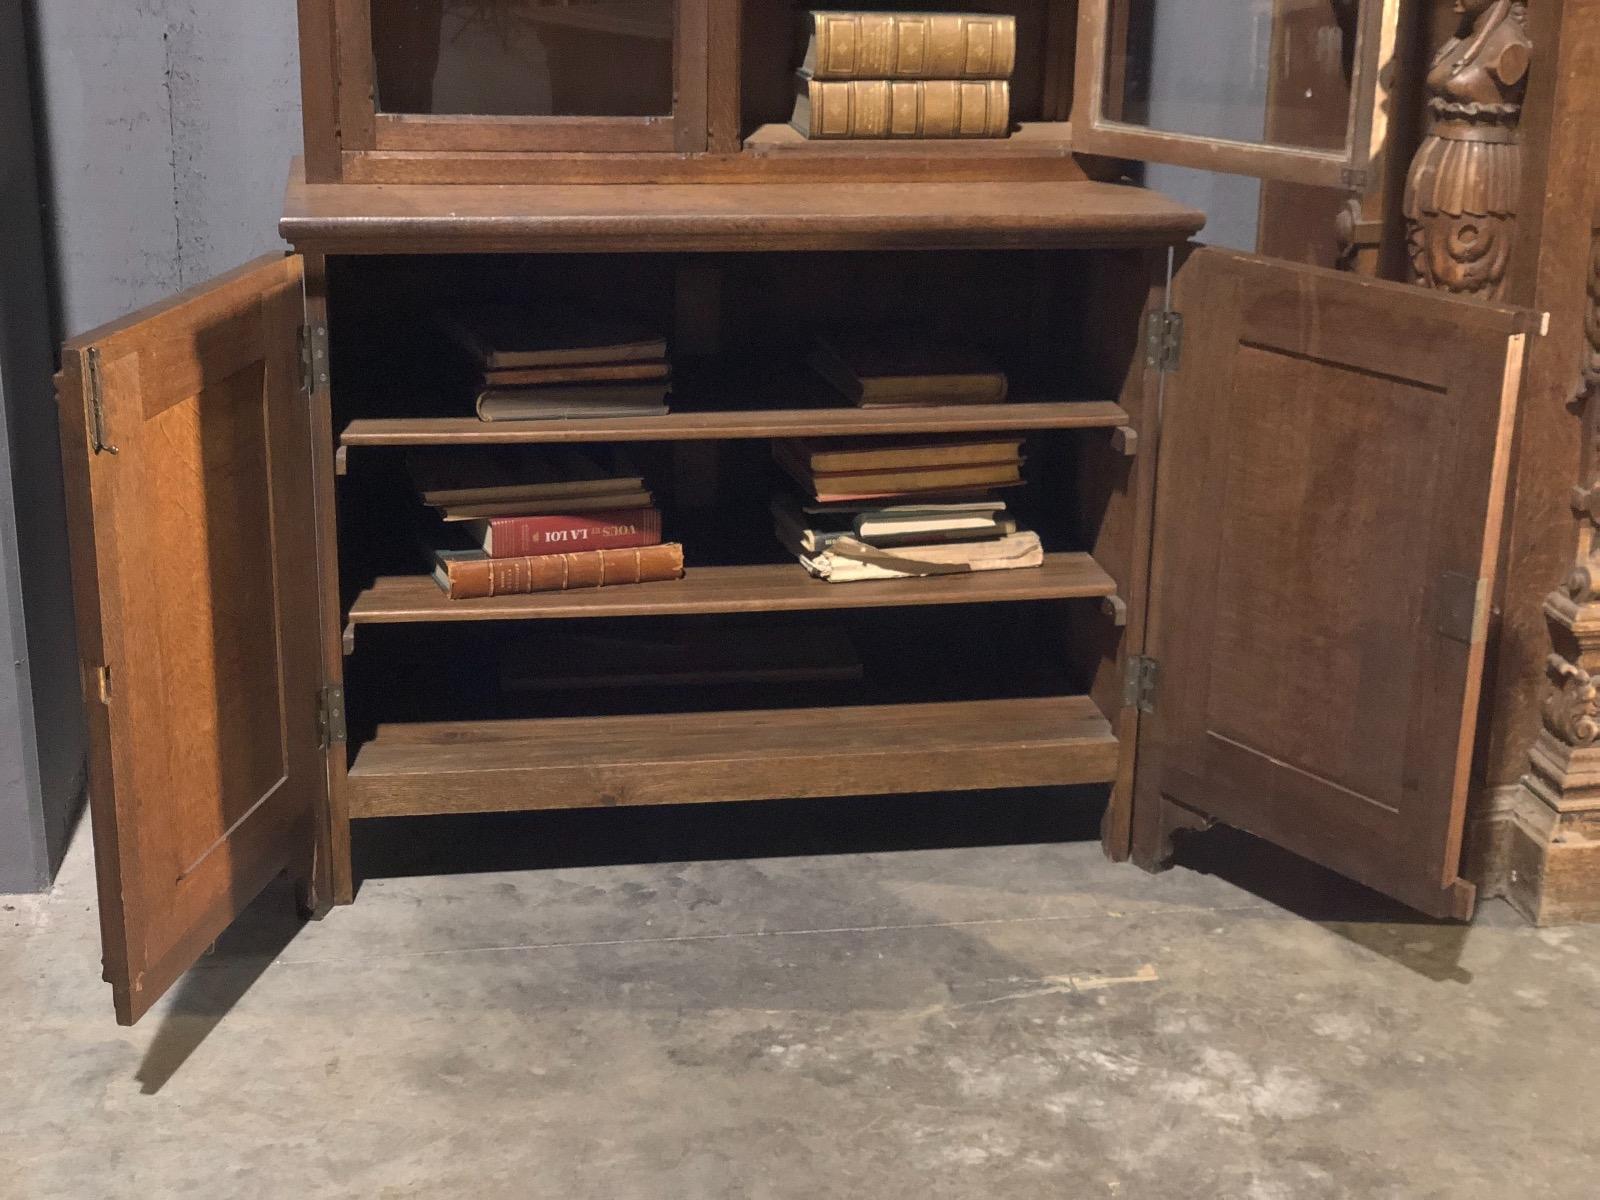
1270 495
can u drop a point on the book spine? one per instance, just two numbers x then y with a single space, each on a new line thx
913 46
887 108
564 572
524 537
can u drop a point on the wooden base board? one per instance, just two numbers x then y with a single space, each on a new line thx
1545 863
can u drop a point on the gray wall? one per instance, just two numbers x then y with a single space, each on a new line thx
163 131
170 126
41 723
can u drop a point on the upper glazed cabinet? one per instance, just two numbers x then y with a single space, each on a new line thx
433 91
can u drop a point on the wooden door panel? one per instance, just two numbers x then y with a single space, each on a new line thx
1333 467
194 567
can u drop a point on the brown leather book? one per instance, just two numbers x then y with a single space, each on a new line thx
891 369
883 45
505 337
896 108
827 455
473 575
577 373
843 484
573 400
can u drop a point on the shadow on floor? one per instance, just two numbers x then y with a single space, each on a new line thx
1426 945
207 993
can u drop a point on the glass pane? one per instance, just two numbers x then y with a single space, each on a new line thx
1273 72
548 58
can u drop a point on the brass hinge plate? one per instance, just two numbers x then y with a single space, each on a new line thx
1139 684
313 357
330 716
98 439
1463 608
1354 178
1163 341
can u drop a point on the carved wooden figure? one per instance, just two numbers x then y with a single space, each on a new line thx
1461 197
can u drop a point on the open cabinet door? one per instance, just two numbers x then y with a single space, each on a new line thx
1333 466
185 434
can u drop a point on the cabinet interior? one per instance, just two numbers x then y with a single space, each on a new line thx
739 327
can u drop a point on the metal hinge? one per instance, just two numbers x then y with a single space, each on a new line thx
1163 341
97 406
1139 685
313 357
1354 178
330 716
1463 608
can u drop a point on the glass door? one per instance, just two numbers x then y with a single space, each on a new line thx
524 75
1278 89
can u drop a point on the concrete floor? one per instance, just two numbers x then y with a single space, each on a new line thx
808 1014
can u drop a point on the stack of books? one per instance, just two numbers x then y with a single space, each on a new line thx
906 75
886 369
560 365
540 520
903 509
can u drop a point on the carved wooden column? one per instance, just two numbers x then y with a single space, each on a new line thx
1461 196
1554 858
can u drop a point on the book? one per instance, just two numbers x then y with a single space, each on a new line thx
518 537
883 45
693 656
503 337
827 455
557 506
845 484
577 373
573 400
851 561
891 368
803 533
473 575
450 475
891 108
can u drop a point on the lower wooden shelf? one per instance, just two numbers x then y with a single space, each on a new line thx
401 599
587 762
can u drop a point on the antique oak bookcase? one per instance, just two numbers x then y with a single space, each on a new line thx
1270 494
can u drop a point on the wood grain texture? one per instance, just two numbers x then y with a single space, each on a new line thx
1333 465
989 161
362 219
774 588
319 99
698 758
758 423
193 559
330 879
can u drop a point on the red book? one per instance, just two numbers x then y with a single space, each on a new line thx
528 537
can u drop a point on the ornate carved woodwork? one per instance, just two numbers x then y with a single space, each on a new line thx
1461 197
1564 779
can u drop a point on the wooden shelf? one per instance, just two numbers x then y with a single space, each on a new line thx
757 423
442 218
406 599
679 758
1032 139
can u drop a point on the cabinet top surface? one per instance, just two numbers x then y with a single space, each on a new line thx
347 218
